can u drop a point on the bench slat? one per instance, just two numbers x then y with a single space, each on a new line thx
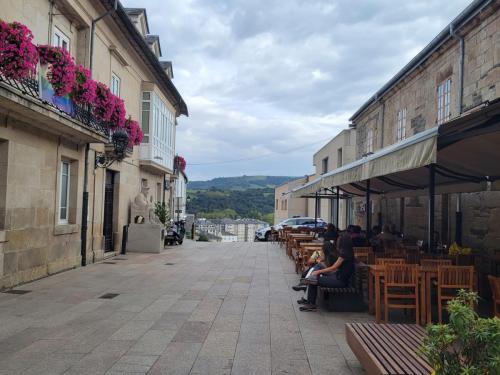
388 348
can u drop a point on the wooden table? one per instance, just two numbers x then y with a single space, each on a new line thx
293 239
305 250
426 275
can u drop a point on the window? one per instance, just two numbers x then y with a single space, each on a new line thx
276 205
64 192
59 39
401 125
443 104
115 84
324 165
339 158
369 141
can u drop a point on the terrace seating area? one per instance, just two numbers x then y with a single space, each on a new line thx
403 286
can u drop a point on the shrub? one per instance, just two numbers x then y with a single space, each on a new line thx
161 212
18 55
468 345
203 238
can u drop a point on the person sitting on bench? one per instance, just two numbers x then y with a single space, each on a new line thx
335 276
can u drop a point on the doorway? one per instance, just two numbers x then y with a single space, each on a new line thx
109 194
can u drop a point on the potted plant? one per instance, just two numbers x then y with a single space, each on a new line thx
18 55
468 344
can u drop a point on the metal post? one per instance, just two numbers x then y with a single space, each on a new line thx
85 207
338 207
315 210
368 210
432 183
458 220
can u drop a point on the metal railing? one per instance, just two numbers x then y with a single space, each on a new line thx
83 114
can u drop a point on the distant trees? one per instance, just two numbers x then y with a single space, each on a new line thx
217 203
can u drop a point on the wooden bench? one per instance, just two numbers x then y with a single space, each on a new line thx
346 299
386 349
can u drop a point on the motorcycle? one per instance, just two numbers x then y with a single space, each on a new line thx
175 234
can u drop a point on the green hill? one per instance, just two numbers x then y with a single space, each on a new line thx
233 197
240 183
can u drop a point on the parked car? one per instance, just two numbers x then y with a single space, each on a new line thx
263 234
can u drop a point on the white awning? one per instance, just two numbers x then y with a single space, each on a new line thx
310 188
464 151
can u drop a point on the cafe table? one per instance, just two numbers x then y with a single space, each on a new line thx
426 274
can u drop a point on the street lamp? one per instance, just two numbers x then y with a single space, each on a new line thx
120 144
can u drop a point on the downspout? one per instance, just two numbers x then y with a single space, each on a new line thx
85 199
458 213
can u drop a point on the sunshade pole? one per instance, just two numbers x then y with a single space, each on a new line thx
368 209
432 185
315 210
338 206
458 220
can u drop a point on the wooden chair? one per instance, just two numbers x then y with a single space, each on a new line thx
452 278
495 290
363 254
384 261
435 262
401 284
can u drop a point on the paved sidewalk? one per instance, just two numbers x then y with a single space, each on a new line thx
200 308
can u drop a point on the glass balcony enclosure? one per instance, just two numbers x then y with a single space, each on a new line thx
158 123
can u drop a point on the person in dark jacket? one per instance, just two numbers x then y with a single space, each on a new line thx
329 241
335 276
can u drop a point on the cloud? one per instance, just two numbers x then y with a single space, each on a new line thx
263 77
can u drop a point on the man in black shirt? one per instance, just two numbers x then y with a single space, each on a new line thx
335 276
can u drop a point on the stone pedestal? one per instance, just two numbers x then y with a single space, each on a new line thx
145 238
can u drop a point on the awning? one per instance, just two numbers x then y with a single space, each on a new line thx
465 152
309 188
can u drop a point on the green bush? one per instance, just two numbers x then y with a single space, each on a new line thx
203 238
161 212
468 344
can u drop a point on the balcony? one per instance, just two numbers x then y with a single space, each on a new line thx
23 100
155 159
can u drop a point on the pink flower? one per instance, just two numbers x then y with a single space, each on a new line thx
84 89
18 55
104 103
135 134
62 69
117 119
180 162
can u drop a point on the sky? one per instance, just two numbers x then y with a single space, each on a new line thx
268 82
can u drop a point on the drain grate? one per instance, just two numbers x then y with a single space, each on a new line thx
169 264
17 291
108 262
109 295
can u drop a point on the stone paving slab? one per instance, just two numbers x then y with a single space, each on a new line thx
221 309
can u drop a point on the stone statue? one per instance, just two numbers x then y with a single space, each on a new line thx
142 211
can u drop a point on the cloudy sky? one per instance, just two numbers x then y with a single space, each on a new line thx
268 82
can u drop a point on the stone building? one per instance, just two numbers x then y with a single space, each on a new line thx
458 73
43 149
286 206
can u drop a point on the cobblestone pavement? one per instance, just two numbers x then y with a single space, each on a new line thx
200 308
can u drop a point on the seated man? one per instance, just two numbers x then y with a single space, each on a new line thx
335 276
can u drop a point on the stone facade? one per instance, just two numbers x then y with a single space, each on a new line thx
417 94
35 140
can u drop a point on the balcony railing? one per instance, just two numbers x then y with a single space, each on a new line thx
83 114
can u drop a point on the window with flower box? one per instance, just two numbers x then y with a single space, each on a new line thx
59 39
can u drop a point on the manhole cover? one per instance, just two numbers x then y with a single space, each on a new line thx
108 263
109 295
169 264
17 291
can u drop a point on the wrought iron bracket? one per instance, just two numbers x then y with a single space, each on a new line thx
103 160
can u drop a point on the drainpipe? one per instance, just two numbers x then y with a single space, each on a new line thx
458 213
85 200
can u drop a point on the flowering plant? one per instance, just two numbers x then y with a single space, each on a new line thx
84 87
104 102
18 56
180 162
135 134
62 68
117 119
